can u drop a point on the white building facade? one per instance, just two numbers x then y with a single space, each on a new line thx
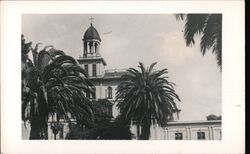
188 130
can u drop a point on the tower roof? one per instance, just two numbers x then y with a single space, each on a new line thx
91 33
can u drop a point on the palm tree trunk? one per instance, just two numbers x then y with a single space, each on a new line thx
39 128
145 132
35 132
138 130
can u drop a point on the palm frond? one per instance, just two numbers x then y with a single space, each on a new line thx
212 36
194 25
179 16
145 94
209 26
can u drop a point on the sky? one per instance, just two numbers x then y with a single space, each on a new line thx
128 39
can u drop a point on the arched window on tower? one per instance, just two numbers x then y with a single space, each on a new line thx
91 47
96 48
85 46
109 92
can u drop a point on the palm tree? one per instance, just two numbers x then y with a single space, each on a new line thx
209 26
146 97
53 84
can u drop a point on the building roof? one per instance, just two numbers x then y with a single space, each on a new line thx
91 33
196 122
110 75
114 73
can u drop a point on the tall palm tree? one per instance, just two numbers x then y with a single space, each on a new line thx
146 97
53 84
209 26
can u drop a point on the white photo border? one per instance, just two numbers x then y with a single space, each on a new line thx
233 81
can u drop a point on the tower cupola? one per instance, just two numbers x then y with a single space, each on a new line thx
92 61
91 42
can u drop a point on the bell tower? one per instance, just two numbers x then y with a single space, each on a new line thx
91 60
91 41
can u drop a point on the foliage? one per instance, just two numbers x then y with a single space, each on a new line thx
209 26
52 84
75 132
213 117
111 130
104 127
102 109
115 130
146 97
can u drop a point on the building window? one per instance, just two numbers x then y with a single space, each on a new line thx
94 93
86 68
110 113
109 92
201 136
178 136
87 93
94 69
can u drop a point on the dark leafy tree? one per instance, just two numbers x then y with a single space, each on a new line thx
102 109
104 126
213 117
75 132
209 26
146 97
53 84
116 130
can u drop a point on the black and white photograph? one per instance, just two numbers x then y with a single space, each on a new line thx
107 77
121 77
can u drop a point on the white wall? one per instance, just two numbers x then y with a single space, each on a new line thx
212 132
